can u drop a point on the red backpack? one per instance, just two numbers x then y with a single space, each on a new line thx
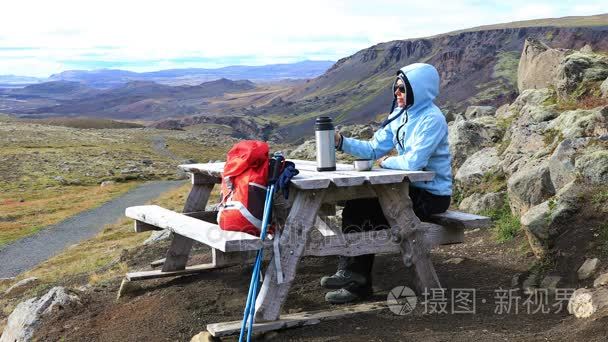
244 183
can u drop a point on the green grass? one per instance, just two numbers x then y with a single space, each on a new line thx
603 239
551 135
49 173
490 182
505 225
600 197
506 66
23 214
97 259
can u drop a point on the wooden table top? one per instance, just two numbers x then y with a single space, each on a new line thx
344 176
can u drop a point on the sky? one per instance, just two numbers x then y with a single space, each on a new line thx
39 38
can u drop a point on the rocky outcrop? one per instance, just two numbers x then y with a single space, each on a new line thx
482 203
241 126
561 162
24 320
305 151
604 88
577 72
469 136
593 167
539 222
476 166
581 123
528 187
474 112
538 65
363 132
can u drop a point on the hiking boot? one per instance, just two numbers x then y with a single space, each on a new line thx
343 278
343 296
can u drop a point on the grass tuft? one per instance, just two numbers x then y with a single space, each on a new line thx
506 225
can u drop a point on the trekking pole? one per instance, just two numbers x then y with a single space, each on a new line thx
248 315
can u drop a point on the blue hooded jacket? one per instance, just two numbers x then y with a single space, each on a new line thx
424 137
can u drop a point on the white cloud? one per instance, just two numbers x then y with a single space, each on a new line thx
271 31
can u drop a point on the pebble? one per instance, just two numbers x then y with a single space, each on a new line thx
587 268
454 261
601 280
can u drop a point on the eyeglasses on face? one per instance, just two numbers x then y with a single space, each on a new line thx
401 87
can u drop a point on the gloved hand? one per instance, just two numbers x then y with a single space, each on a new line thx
289 171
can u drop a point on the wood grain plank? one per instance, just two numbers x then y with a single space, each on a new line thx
377 242
155 274
299 319
460 219
407 228
208 233
292 243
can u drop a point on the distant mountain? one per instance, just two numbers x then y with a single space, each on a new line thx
13 80
58 90
139 99
107 78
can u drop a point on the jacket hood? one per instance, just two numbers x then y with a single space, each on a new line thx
424 80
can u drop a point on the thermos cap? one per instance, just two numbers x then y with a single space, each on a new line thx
324 123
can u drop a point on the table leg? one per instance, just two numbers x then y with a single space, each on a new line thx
179 251
292 243
407 228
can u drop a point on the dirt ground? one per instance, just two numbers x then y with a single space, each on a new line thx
179 308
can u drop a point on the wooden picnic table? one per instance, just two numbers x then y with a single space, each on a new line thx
310 189
305 232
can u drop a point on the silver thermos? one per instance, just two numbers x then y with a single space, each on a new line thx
326 150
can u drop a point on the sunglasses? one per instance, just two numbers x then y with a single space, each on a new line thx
401 88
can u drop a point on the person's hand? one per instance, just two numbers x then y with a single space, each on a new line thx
379 161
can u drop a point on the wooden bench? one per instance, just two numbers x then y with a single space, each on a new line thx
445 228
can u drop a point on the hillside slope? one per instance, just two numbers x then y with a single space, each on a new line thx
476 68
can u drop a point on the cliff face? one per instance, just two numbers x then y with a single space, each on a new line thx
476 68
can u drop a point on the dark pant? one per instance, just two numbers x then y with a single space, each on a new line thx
366 214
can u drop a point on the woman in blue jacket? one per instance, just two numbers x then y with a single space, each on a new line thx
419 131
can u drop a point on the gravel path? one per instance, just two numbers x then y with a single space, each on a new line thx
28 252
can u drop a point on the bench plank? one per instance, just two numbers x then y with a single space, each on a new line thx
299 319
155 274
195 229
372 242
463 220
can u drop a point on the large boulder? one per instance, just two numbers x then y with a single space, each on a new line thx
539 223
538 65
23 321
363 132
593 167
469 136
474 168
527 120
474 112
482 203
561 162
534 97
306 151
581 123
529 186
577 72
